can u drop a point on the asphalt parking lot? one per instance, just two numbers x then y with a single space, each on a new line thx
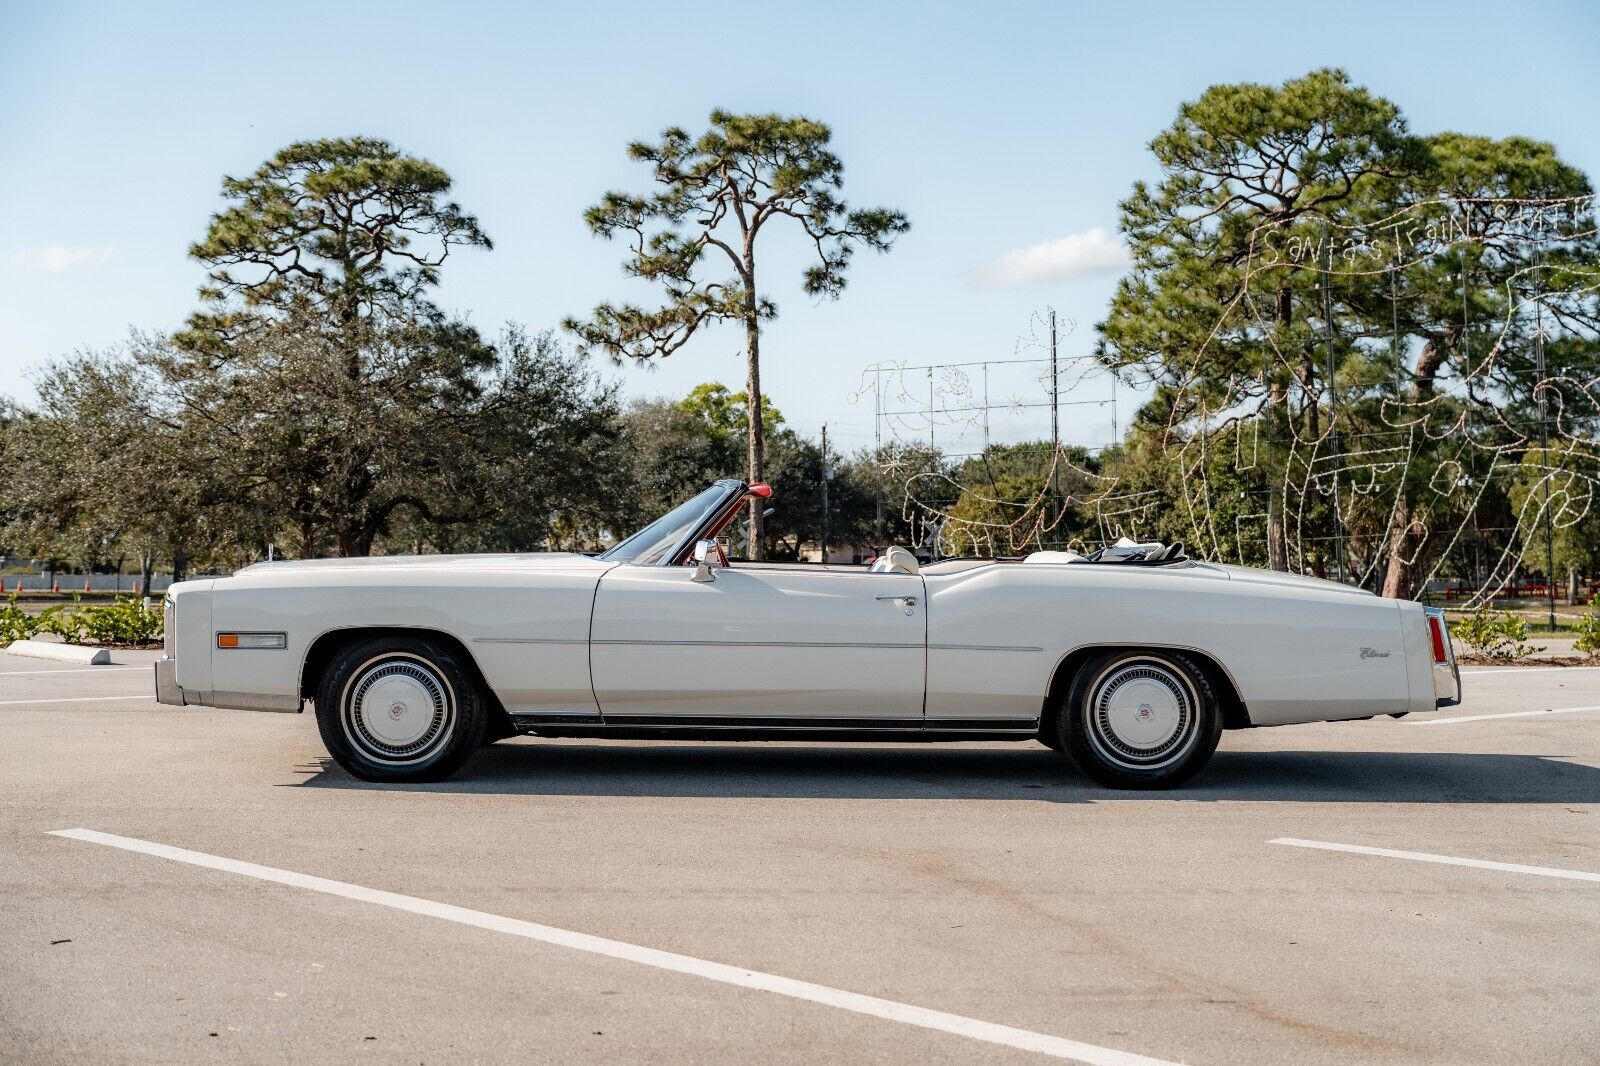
894 903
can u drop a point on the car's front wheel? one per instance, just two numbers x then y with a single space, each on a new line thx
400 708
1140 719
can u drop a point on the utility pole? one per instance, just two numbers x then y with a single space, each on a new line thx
1055 389
986 409
826 473
1055 429
877 456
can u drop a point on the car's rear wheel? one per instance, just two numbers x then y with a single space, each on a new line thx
400 708
1140 719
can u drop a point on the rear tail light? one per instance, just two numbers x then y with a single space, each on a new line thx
1436 631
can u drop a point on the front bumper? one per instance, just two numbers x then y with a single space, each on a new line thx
168 691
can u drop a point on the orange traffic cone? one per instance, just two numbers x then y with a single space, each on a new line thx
55 586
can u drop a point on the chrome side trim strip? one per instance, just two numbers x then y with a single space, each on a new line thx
983 647
887 725
529 719
760 644
530 640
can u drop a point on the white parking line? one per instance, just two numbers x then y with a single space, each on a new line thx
74 699
1481 671
1447 860
972 1028
1504 714
74 670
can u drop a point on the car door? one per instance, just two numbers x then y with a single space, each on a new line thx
767 643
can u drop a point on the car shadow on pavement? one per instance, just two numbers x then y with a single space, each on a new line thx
785 770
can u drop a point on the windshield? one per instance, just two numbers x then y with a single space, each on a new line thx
650 544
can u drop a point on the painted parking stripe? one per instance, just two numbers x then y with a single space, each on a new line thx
1504 714
75 699
1447 860
1523 670
74 670
891 1010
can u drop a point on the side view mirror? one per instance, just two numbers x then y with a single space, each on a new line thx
704 552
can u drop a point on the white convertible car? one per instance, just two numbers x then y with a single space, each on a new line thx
1132 659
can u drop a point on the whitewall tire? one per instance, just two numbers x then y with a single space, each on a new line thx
400 708
1140 718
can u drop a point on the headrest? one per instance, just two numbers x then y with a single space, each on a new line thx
1054 557
896 560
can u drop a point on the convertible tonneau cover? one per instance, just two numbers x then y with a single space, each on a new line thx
1124 551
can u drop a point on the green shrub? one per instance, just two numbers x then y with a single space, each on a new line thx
15 623
1588 627
126 621
1502 635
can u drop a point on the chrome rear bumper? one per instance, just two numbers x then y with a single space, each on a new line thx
1446 675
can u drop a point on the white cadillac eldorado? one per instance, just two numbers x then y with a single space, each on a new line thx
1132 659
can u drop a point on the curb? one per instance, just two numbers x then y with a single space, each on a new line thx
70 653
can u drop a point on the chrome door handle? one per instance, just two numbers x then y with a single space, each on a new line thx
909 601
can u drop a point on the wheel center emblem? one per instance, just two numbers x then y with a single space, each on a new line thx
397 710
1145 712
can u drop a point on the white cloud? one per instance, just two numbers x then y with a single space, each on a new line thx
1092 253
61 257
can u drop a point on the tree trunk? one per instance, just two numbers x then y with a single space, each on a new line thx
1404 533
1397 580
1308 387
1277 534
1278 410
147 565
308 539
752 352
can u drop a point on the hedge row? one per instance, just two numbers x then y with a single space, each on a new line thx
125 621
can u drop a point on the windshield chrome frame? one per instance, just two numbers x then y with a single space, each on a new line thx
735 494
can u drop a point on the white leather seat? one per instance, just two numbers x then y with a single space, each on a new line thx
895 560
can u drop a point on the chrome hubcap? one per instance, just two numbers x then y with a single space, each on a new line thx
1142 714
397 709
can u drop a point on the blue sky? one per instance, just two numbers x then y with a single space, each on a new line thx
1008 133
